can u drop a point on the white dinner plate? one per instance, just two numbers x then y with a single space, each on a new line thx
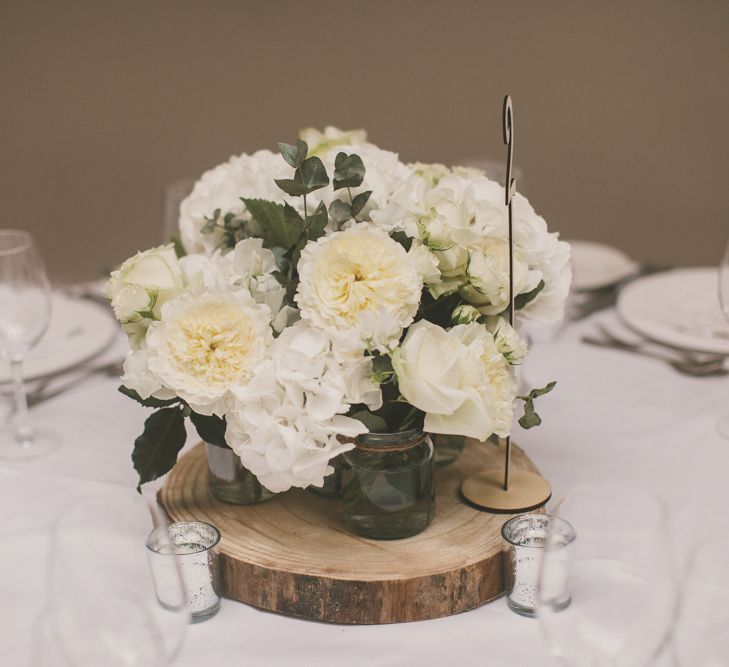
596 265
678 308
79 330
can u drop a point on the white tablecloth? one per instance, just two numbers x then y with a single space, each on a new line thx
613 416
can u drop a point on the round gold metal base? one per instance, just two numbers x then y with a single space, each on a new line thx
527 491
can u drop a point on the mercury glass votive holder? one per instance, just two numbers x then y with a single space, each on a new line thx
194 545
526 537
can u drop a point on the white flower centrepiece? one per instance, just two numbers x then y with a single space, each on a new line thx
359 282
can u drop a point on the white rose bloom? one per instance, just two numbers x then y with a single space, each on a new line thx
459 379
222 187
141 286
284 423
352 279
465 314
206 344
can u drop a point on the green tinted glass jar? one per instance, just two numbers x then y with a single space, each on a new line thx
389 484
332 487
447 449
230 482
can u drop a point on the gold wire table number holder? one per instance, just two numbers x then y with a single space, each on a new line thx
501 490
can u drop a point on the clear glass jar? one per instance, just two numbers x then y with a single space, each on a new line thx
389 484
447 448
230 482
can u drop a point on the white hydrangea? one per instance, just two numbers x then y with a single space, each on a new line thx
285 422
359 284
222 188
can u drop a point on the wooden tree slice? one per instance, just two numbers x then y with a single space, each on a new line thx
295 555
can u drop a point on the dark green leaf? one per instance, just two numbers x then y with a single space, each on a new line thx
494 439
150 402
294 155
535 393
403 239
313 174
177 242
340 211
349 171
293 187
210 428
155 451
276 231
521 300
374 423
317 222
530 418
292 216
358 203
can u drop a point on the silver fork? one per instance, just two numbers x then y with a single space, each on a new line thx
684 362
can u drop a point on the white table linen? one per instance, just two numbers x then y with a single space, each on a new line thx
612 417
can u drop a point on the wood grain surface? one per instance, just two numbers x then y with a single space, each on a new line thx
295 555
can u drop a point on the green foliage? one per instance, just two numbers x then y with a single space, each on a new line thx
313 174
150 402
316 223
177 243
373 422
349 171
359 202
210 428
276 229
340 211
521 300
155 451
294 155
530 418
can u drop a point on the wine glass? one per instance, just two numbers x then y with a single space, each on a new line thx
25 311
619 602
701 637
723 425
103 605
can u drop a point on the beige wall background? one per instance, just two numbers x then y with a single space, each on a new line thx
620 108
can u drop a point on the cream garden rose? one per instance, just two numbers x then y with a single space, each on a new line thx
203 346
459 378
359 283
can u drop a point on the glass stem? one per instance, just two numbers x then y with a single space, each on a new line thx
24 431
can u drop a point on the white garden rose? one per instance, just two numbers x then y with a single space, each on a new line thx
359 284
459 378
206 344
140 287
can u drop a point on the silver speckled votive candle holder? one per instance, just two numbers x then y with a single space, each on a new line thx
194 544
526 536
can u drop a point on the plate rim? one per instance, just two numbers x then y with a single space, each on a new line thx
720 348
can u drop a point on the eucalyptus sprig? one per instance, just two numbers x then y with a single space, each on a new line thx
530 418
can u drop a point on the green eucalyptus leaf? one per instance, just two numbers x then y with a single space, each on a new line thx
349 171
359 202
150 402
292 216
494 439
340 211
294 155
155 451
316 223
276 230
210 428
530 418
292 186
313 174
521 300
